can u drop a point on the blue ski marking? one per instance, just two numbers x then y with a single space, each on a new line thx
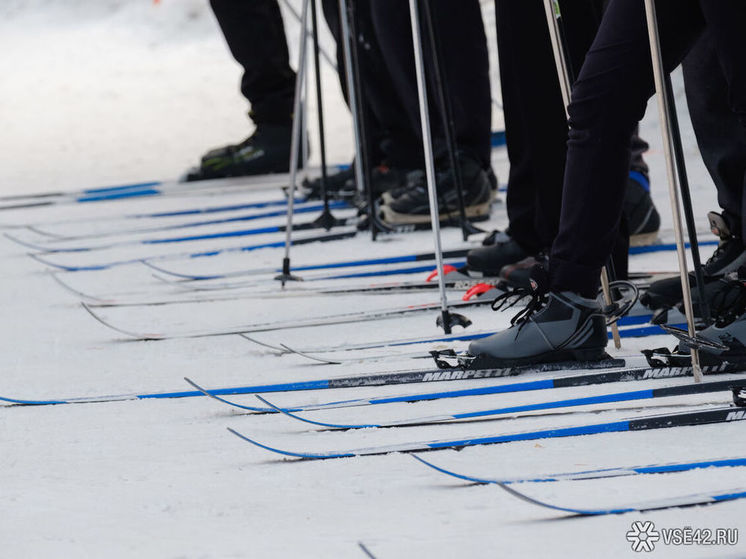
286 452
601 473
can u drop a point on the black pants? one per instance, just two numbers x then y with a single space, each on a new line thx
720 137
389 136
255 35
465 63
608 99
535 122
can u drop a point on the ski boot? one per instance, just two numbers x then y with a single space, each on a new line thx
267 150
518 275
553 327
490 260
729 257
413 205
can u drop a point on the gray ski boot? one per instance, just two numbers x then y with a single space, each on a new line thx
553 327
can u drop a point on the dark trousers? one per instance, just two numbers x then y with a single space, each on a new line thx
535 122
465 63
255 35
720 136
608 99
389 136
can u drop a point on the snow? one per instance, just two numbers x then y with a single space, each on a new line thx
116 92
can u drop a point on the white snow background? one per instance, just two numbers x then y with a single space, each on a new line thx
113 92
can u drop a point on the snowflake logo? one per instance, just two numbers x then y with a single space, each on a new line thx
643 536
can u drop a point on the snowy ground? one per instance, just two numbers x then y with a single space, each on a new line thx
113 92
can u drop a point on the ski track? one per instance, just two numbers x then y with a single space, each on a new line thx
164 478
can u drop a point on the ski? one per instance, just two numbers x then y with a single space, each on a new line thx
143 189
53 249
342 318
400 259
601 473
420 376
625 374
655 504
634 395
704 416
484 298
382 379
51 245
210 295
185 255
417 257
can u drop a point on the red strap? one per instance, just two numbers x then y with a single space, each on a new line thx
447 269
476 290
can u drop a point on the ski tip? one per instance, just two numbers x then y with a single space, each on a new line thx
289 413
18 402
209 394
304 455
135 335
288 349
270 346
452 473
23 243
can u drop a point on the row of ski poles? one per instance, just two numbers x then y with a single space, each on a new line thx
675 163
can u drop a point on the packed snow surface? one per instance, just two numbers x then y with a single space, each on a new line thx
109 92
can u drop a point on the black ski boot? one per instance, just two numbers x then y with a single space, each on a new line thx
488 261
267 150
335 183
518 275
729 257
554 327
642 217
413 205
722 341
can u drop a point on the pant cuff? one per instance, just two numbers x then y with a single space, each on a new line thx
570 276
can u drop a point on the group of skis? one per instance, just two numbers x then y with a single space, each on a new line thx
153 233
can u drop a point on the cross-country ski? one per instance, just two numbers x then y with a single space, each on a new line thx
309 278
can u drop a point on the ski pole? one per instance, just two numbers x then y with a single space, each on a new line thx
446 114
326 219
286 276
446 319
665 111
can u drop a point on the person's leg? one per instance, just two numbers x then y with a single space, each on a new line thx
255 35
535 123
720 136
465 68
609 98
465 61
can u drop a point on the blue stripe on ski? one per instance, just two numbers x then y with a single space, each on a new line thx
111 189
600 473
248 248
119 195
282 387
612 427
507 388
573 402
289 453
218 209
665 247
378 273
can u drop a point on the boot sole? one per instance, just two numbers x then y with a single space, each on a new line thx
590 355
396 218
